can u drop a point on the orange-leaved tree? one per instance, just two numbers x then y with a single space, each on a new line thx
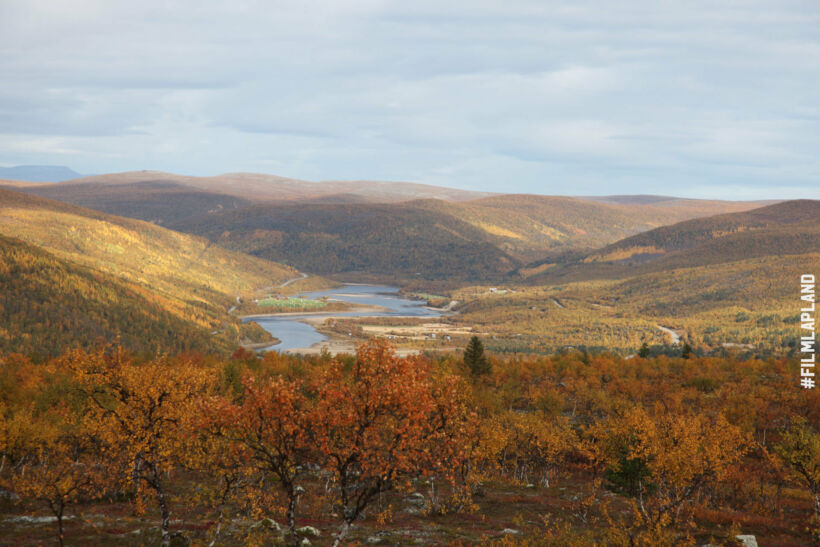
681 453
270 430
136 411
453 427
535 443
375 425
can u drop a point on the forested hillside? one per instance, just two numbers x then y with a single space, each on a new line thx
398 231
48 305
429 239
184 269
158 201
788 228
723 283
400 240
744 305
95 277
529 225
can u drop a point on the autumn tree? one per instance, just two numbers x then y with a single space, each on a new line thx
374 426
453 427
49 458
532 444
799 449
682 452
475 359
269 427
136 412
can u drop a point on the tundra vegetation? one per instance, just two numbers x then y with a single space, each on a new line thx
105 447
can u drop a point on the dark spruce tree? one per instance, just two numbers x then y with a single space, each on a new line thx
686 352
644 351
475 359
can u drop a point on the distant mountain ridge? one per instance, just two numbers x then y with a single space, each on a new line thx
664 201
38 173
164 198
263 187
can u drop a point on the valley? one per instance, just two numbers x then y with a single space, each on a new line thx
384 273
529 273
603 318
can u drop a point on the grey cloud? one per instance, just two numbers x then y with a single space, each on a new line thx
523 95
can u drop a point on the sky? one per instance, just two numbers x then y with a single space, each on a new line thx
708 99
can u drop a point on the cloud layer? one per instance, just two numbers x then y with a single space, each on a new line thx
705 99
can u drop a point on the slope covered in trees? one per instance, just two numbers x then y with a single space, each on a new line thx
157 201
401 240
552 223
189 272
431 239
745 306
394 230
48 305
788 228
724 283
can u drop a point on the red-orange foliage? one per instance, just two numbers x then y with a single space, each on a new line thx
270 431
379 424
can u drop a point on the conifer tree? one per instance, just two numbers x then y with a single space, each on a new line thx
475 359
644 351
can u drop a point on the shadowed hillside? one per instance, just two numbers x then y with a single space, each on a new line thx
429 239
398 240
788 228
158 201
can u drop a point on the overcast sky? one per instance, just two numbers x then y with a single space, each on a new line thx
701 99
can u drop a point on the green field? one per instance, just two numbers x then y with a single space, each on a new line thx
292 303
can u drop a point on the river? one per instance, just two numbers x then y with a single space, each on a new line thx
295 333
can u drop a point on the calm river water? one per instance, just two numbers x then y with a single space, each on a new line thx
295 333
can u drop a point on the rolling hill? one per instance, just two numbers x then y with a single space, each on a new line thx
394 240
395 231
188 276
538 222
164 198
787 228
722 283
160 202
528 225
482 239
49 305
263 187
